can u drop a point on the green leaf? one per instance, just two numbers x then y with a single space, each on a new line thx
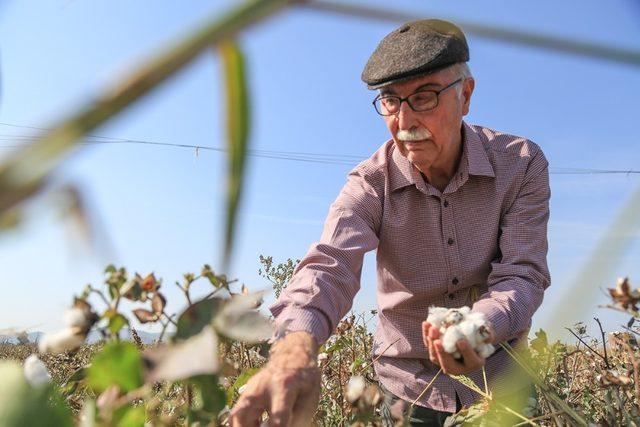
70 386
197 355
116 321
540 342
242 379
196 317
118 363
209 397
130 416
239 320
238 117
22 405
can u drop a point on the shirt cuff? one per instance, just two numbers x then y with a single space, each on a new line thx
307 319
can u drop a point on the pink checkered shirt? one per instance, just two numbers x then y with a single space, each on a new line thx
487 230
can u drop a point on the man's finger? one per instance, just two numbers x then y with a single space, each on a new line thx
472 360
282 407
448 363
247 412
305 406
425 333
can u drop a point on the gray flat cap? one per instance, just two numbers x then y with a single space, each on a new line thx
413 49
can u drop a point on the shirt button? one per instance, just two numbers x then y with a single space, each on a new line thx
455 281
446 203
451 296
450 241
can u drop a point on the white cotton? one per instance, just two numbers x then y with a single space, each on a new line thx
61 341
469 330
322 357
76 317
436 316
465 310
485 350
451 336
453 317
476 317
35 371
355 388
456 324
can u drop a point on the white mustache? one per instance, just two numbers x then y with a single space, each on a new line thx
416 134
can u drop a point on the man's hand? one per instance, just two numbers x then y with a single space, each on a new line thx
288 387
470 362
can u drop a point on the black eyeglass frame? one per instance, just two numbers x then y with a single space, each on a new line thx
437 92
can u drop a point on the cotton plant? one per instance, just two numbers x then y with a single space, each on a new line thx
461 323
78 320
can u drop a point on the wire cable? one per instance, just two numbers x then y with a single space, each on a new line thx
17 141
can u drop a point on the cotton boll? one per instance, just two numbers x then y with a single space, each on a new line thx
436 316
76 317
469 330
451 336
465 311
485 350
355 388
476 317
61 341
35 371
453 317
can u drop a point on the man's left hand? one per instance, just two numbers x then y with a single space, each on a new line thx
471 361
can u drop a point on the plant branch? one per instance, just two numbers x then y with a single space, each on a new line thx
604 342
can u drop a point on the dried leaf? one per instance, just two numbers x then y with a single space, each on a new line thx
150 284
158 303
145 316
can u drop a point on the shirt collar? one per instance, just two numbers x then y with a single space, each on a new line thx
402 173
476 155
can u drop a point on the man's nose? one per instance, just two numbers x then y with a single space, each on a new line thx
406 117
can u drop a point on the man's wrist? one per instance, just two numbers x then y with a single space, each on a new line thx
301 342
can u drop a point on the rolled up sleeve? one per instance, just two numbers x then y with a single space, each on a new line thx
324 283
519 277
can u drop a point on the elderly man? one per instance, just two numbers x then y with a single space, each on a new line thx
458 215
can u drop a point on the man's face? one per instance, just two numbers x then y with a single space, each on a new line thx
437 130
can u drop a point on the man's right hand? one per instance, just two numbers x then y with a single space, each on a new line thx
288 387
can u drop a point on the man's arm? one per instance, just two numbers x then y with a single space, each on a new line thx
517 281
325 282
318 295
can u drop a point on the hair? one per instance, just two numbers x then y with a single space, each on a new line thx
462 70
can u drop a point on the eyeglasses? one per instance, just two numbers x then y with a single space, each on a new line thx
424 100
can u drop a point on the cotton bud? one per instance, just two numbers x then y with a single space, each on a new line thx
35 371
61 341
355 388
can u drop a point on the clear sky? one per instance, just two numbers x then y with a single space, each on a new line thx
162 209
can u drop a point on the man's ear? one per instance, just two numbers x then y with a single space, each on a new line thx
467 90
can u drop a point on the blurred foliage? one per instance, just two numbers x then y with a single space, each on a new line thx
197 374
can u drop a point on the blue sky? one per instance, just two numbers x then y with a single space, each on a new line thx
161 209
